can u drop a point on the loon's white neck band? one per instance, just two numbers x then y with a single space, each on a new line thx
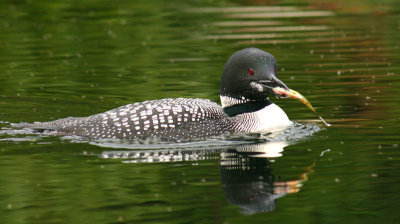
227 101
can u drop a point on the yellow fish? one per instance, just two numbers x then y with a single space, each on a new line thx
296 95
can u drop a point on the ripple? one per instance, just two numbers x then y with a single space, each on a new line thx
282 14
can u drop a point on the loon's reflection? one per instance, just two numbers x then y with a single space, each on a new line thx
246 175
248 182
247 178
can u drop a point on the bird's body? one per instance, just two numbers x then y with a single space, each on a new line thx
169 120
247 79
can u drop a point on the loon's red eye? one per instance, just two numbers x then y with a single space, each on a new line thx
250 71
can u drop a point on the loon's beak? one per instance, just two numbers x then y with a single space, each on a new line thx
272 83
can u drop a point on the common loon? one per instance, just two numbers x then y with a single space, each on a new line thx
247 80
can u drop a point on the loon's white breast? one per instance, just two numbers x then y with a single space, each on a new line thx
270 118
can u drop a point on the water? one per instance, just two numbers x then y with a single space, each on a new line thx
80 58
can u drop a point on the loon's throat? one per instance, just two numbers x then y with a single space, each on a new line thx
247 107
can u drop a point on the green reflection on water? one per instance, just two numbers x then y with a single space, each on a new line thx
78 58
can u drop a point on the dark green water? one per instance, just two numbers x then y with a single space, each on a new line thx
77 58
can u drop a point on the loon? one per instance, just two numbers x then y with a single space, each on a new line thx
246 83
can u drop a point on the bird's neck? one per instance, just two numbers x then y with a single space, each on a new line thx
254 116
245 107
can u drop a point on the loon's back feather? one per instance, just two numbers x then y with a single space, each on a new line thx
179 119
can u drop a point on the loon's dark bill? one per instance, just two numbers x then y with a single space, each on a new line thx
296 95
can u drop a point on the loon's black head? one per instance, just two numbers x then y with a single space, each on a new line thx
249 76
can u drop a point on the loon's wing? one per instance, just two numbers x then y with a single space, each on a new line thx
180 119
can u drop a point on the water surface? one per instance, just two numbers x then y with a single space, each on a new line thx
78 58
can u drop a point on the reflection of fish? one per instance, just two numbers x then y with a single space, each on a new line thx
296 95
248 180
